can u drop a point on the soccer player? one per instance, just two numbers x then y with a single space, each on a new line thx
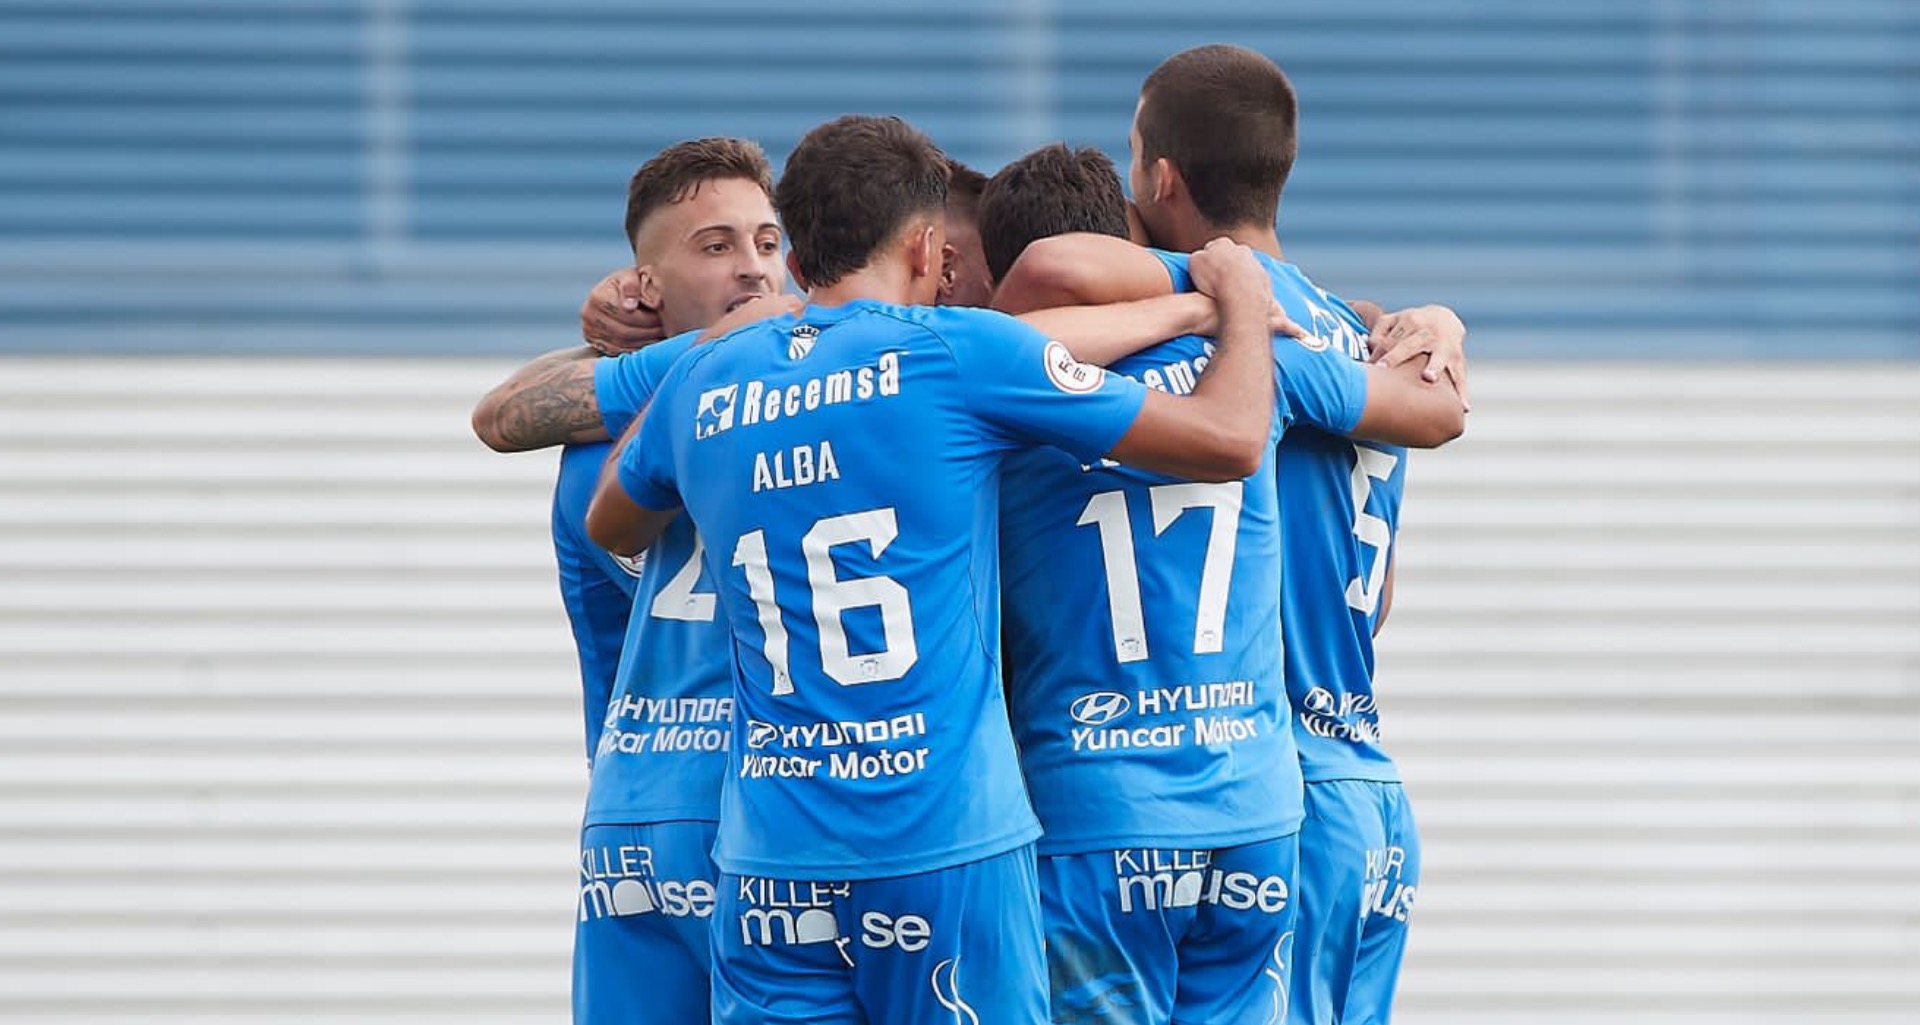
596 586
705 240
654 790
1155 738
614 321
875 840
964 281
1212 143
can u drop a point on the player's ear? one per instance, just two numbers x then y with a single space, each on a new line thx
650 291
948 257
925 251
793 271
1167 182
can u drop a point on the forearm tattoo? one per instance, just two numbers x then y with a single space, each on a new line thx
555 406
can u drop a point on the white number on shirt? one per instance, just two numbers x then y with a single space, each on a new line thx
1108 511
1369 465
678 600
751 554
832 597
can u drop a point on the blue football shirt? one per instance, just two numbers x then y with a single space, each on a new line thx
663 751
595 587
1158 717
844 467
1339 510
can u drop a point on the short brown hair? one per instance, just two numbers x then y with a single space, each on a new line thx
850 186
1051 191
677 171
964 185
1226 117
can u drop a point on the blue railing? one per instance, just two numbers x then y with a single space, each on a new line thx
1663 177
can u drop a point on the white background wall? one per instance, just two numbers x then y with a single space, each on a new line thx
289 726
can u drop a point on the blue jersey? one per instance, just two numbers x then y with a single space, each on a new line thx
844 468
664 749
1339 508
1170 690
595 586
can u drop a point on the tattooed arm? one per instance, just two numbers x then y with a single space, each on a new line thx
550 401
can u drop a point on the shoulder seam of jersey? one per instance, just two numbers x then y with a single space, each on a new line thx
933 333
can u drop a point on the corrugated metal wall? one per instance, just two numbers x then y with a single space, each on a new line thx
1657 693
288 728
298 176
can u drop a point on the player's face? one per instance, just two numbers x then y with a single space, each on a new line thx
712 251
968 283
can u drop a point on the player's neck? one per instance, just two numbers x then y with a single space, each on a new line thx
1194 234
884 282
671 326
1259 238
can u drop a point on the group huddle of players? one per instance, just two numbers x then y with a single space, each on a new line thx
952 664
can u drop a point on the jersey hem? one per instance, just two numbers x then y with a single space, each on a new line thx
869 869
624 823
1381 775
630 817
1187 842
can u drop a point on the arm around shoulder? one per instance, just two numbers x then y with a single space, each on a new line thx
1221 431
1404 409
548 402
1080 270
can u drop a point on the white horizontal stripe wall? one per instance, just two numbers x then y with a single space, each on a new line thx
1654 678
289 724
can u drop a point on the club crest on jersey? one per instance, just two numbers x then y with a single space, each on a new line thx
715 413
1069 374
800 341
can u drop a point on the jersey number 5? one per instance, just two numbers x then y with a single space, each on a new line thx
1369 465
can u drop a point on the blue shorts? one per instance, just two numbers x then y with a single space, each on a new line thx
640 948
958 944
1359 872
1166 935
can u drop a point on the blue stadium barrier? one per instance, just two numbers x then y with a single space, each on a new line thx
1634 178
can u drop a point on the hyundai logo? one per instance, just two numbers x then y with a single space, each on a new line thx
1099 708
760 734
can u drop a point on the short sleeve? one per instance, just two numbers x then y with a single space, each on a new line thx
1030 388
1320 385
646 470
623 384
1176 265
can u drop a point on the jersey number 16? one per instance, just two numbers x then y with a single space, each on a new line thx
832 599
